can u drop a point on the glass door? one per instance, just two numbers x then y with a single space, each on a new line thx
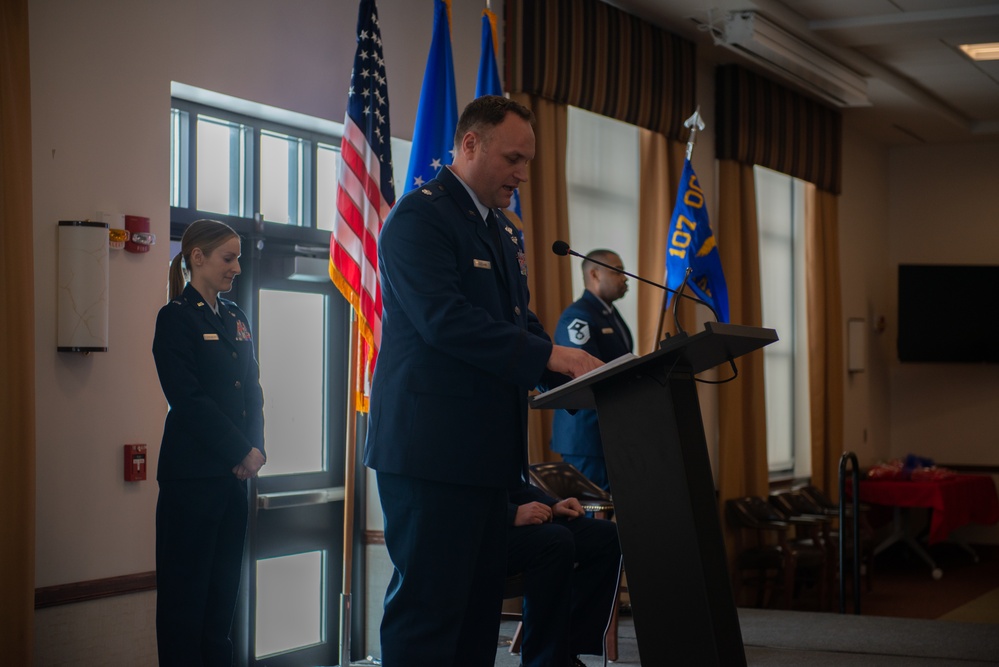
294 564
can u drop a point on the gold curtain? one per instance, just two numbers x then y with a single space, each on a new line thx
660 166
742 432
17 348
544 205
825 336
761 122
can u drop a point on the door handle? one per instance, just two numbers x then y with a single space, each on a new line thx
273 501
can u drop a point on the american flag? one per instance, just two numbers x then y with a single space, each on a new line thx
365 190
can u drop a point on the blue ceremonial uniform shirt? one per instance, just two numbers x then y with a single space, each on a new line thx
460 347
210 378
593 326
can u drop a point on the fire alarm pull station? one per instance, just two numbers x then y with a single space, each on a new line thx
135 463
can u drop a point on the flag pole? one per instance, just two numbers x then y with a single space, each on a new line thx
694 123
348 494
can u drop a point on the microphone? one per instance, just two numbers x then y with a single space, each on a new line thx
562 249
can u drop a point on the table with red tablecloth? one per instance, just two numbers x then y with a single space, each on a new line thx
954 501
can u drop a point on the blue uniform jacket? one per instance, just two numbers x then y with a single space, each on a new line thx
460 348
592 326
210 378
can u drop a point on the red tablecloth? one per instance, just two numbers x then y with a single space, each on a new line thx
955 501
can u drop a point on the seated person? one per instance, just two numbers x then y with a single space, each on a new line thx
571 564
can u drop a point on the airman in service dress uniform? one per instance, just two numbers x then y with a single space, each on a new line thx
213 441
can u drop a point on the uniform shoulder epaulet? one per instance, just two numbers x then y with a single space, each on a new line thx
432 190
177 302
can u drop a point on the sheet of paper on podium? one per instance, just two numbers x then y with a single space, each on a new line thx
572 385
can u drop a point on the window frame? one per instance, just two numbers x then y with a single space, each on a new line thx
184 193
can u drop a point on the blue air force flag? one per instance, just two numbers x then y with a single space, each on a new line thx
691 243
437 115
488 83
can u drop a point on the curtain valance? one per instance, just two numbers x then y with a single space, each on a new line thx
761 122
593 56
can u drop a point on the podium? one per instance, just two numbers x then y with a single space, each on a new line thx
664 494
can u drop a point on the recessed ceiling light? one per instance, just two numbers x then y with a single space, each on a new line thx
989 51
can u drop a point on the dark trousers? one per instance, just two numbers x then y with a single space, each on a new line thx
571 571
447 543
200 528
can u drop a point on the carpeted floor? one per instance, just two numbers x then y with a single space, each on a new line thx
909 619
904 587
774 638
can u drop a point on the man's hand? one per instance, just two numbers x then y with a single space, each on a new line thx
535 513
569 508
250 465
532 514
572 361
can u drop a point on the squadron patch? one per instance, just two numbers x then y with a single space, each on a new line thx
579 332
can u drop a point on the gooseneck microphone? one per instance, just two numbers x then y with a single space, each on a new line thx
562 249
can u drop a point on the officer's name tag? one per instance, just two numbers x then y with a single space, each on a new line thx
607 330
211 336
482 264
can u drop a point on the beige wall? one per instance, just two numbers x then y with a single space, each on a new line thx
944 208
864 243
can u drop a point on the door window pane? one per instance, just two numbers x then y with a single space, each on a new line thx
292 363
291 606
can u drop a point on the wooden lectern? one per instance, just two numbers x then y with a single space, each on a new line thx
664 493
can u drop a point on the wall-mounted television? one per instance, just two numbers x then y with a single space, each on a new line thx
948 313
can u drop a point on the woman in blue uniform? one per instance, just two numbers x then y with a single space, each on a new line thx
213 441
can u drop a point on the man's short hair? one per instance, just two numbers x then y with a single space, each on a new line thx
487 112
601 255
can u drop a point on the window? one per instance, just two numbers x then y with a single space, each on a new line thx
602 181
780 210
232 164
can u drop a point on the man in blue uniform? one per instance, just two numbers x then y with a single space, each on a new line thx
447 432
570 564
592 324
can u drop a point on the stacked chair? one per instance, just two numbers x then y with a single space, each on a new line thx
820 503
776 553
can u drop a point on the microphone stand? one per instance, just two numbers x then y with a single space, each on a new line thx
676 319
562 248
